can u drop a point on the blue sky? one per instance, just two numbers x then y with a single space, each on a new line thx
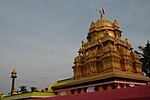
40 38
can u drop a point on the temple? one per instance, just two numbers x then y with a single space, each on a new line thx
104 62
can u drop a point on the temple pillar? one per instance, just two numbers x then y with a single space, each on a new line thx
13 76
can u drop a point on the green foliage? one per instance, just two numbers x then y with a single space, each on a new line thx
23 89
144 55
34 89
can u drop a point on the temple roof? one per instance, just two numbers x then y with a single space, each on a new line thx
124 75
103 22
27 96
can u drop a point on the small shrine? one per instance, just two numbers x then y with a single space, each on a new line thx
104 62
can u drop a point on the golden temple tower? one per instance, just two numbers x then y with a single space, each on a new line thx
105 52
105 62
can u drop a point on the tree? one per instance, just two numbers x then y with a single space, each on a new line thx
34 89
23 89
144 55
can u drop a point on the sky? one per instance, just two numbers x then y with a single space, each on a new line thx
41 38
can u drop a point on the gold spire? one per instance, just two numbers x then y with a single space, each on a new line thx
14 73
104 23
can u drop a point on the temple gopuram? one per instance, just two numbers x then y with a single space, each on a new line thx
104 62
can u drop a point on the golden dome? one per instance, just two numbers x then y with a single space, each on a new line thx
102 23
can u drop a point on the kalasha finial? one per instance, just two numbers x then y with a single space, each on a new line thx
14 73
102 12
